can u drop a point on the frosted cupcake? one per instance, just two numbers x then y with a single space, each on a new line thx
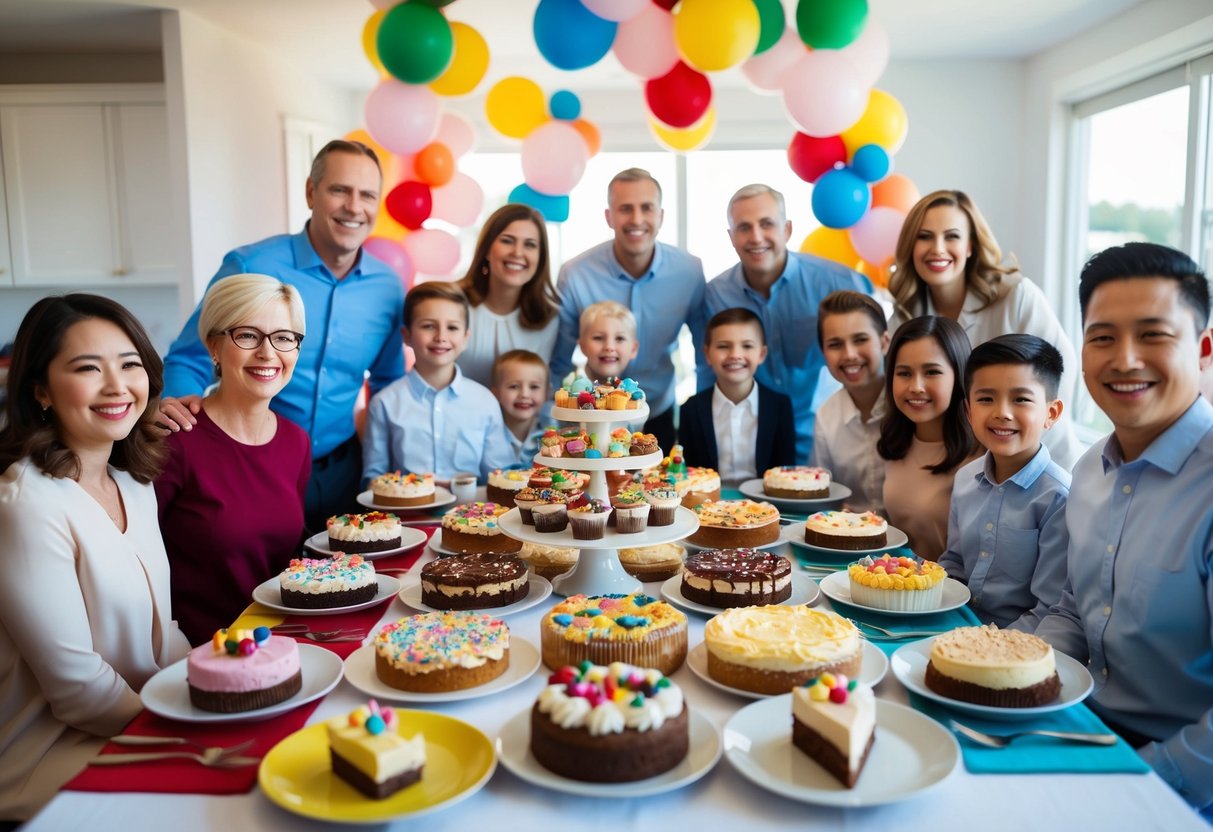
525 500
589 519
552 515
631 510
663 504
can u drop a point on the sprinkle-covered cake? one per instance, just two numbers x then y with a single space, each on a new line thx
442 651
474 582
401 489
734 524
736 578
637 629
505 483
241 670
834 723
369 752
609 724
476 527
375 531
798 482
989 666
897 583
339 581
846 530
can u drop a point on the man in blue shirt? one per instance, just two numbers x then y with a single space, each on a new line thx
784 289
1138 608
661 284
354 305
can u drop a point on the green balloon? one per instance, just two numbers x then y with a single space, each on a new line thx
830 24
771 22
415 42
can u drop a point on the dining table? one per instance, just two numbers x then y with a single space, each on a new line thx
970 797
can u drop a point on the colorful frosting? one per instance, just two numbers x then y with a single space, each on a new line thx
475 518
797 478
396 484
847 523
509 479
840 711
614 617
896 573
609 700
613 394
239 661
364 528
442 640
673 472
736 514
336 574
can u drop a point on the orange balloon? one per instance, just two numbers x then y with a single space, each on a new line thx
896 191
387 159
879 275
435 164
832 244
593 138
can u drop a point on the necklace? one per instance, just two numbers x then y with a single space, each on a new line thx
109 497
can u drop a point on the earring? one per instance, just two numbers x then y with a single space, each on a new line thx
215 360
484 269
45 408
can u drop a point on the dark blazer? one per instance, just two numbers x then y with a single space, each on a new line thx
775 443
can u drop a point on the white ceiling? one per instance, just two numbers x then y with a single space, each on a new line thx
324 36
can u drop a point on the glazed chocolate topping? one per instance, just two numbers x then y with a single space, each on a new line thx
738 565
473 570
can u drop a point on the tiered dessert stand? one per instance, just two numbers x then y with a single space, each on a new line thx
597 570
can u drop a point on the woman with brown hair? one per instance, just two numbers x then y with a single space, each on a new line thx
84 608
509 286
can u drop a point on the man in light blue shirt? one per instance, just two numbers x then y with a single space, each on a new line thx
1139 604
784 289
354 307
662 285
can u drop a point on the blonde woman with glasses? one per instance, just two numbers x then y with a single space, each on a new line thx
231 495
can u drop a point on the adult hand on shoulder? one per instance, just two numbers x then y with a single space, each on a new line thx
179 414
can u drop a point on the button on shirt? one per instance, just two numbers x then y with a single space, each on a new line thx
1140 601
664 298
845 445
353 325
736 428
1007 541
795 365
413 427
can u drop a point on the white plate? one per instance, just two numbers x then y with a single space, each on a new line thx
753 490
696 547
538 588
895 538
685 522
910 667
602 463
640 413
837 587
409 537
360 672
442 497
912 753
874 667
513 746
804 591
166 694
269 595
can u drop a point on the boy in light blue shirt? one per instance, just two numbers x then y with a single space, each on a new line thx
1007 534
434 419
520 384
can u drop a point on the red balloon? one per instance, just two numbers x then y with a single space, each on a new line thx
680 97
668 5
810 156
410 204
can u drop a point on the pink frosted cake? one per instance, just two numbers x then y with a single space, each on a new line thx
241 670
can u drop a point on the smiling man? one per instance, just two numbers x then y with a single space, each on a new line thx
662 286
1138 608
783 288
354 306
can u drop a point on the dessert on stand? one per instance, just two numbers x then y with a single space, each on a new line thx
598 571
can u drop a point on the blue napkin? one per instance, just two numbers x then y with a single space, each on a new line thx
941 621
1038 755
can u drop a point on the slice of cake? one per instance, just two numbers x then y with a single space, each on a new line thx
636 629
798 482
369 753
846 530
442 651
242 670
476 527
474 582
989 666
736 578
375 531
897 583
399 489
733 524
339 581
834 722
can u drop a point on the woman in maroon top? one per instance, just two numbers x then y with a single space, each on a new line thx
231 495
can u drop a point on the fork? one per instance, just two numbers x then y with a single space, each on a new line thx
1003 740
141 739
216 757
301 631
894 635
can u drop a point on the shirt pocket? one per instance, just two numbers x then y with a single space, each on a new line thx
469 448
1018 551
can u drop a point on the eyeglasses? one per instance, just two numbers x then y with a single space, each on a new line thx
250 338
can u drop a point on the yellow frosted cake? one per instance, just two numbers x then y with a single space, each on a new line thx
369 753
989 666
897 583
636 629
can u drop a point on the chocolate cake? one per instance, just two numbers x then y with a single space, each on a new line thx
473 582
736 578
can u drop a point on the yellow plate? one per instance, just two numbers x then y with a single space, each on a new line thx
297 773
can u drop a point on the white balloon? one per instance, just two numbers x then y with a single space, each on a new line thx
553 158
616 10
402 117
433 251
874 237
458 201
645 44
869 52
822 93
456 132
765 71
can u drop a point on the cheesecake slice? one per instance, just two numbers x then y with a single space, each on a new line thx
834 723
369 753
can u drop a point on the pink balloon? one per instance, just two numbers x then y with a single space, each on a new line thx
456 132
459 201
402 117
645 44
822 93
874 237
432 251
553 158
616 10
765 71
392 253
869 52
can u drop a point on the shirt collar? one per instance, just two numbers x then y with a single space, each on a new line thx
1025 477
421 388
654 267
721 401
307 258
852 412
1171 449
790 265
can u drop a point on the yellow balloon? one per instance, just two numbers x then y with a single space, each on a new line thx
515 106
469 62
884 122
832 244
387 159
716 34
370 30
686 139
385 226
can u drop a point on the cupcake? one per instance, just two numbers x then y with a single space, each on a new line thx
540 478
552 513
644 443
588 518
525 500
568 481
663 502
631 510
617 400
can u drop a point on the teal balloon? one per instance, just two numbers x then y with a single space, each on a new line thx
570 36
871 163
840 198
771 24
415 42
565 105
553 208
830 24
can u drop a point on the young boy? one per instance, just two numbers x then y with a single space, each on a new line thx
854 336
608 339
1006 528
434 419
520 384
737 426
1139 609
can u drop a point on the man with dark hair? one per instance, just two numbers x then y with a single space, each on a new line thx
1138 608
354 305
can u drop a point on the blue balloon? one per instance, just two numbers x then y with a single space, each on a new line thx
871 163
553 208
570 36
565 105
840 198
